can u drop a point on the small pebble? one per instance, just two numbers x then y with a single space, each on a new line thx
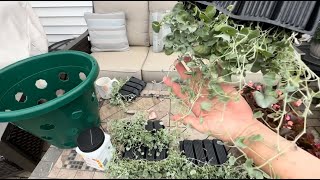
152 115
131 111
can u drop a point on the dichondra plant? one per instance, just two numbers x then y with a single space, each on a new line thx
224 51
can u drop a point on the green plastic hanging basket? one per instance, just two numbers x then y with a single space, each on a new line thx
51 96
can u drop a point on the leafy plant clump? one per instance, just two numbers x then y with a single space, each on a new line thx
224 51
116 97
131 133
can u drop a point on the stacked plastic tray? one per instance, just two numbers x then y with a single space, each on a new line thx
132 88
300 16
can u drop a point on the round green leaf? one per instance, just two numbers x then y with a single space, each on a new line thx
264 101
270 78
210 11
206 105
156 26
225 37
168 51
256 137
192 28
258 114
201 50
193 172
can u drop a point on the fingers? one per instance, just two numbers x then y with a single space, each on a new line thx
176 88
191 120
181 70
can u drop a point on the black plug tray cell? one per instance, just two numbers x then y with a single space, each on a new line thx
132 88
134 85
204 151
144 153
138 81
294 15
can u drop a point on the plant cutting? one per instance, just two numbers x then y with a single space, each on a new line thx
216 49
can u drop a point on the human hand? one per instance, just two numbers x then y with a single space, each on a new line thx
225 121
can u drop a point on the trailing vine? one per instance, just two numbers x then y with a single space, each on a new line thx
224 51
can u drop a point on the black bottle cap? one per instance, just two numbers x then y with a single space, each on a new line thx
90 139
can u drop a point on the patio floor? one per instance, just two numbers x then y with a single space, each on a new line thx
66 164
59 163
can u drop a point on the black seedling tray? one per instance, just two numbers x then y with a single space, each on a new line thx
132 88
204 151
198 151
300 16
133 153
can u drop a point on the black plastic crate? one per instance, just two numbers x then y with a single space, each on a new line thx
8 168
300 16
26 142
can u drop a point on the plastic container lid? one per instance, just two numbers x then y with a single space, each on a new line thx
90 140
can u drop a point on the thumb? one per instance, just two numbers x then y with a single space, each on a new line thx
191 120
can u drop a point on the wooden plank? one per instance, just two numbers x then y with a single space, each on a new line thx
61 11
63 21
60 3
65 30
60 37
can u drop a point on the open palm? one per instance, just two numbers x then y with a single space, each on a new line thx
225 121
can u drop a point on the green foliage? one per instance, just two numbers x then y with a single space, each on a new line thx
230 49
233 49
264 100
206 105
255 137
116 98
258 114
131 132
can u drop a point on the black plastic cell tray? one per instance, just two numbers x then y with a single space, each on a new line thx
204 151
197 151
300 16
132 88
135 154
